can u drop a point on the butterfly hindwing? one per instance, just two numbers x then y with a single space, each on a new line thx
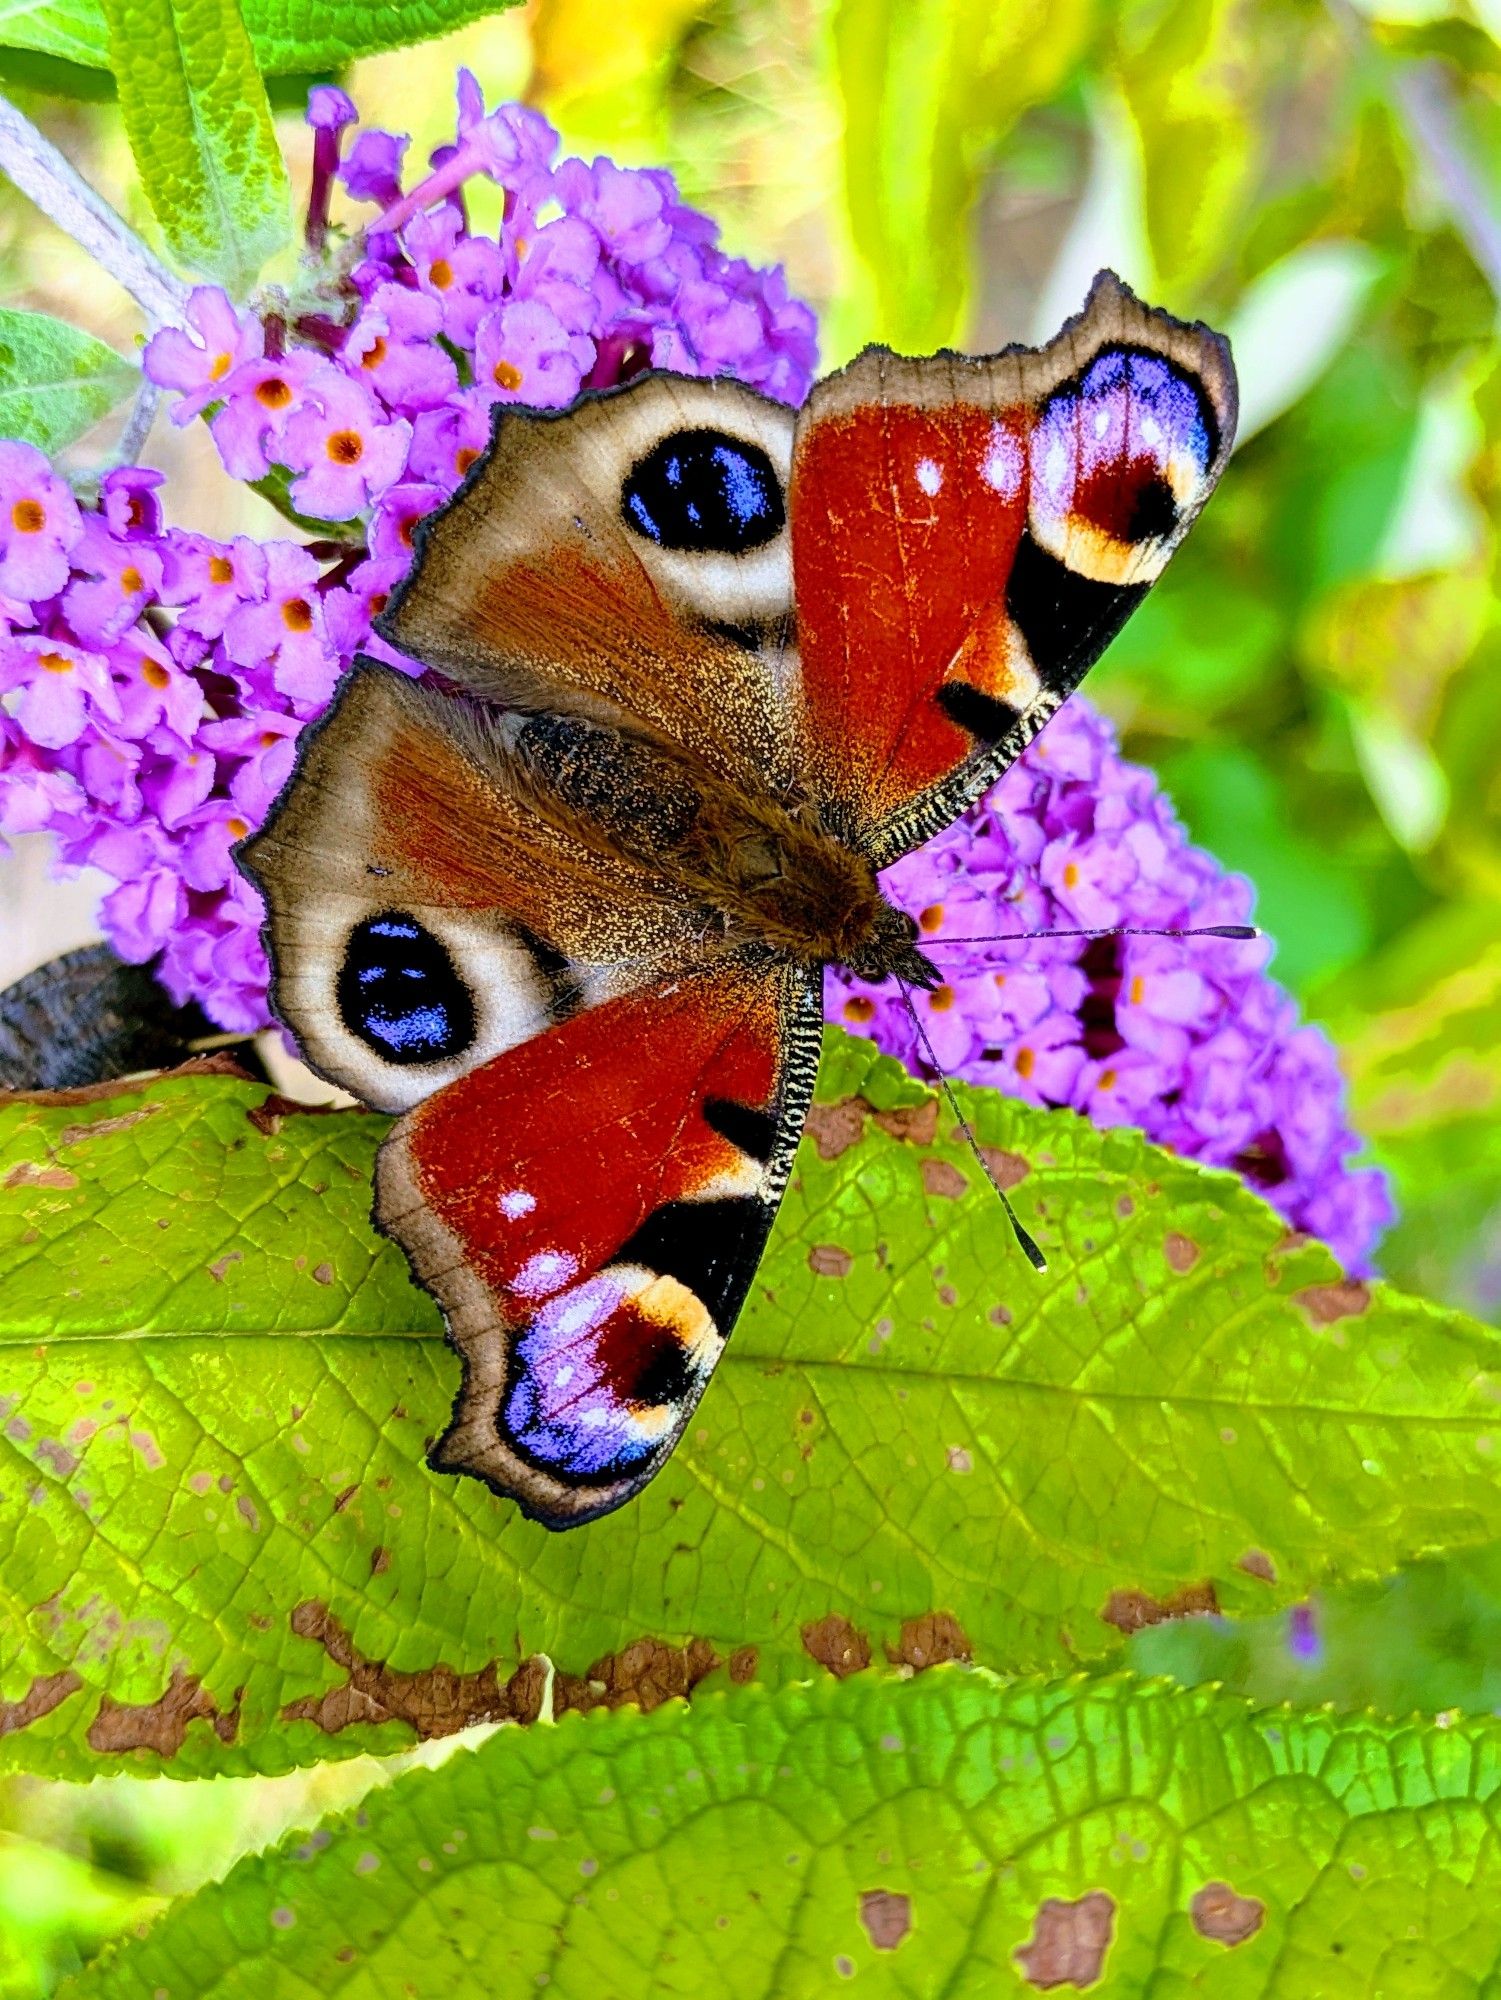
589 1210
968 534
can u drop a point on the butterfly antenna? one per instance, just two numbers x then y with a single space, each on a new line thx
1242 931
1030 1249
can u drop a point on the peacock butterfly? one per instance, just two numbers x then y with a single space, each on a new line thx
707 664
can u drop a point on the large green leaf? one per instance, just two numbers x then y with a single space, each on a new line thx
54 380
929 90
199 124
288 36
950 1835
221 1547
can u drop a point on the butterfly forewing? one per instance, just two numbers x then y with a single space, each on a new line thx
969 534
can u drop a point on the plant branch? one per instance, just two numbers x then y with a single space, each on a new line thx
42 174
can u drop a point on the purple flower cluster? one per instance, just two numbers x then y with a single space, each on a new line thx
1187 1039
152 681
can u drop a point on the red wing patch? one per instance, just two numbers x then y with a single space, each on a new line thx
969 534
589 1209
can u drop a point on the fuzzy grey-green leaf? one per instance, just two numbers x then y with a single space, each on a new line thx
55 381
199 124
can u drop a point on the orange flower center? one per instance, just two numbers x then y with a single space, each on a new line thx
345 447
154 674
1026 1062
57 663
220 368
268 737
859 1008
297 615
1071 875
29 517
220 570
464 458
375 354
507 375
1138 989
441 274
273 393
131 580
1107 1079
237 828
379 602
941 999
929 919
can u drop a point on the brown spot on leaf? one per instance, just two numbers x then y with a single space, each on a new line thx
1256 1562
55 1455
915 1124
643 1675
46 1692
1220 1914
930 1640
1068 1942
27 1173
827 1260
1324 1304
432 1701
1010 1169
939 1178
220 1266
1133 1610
342 1500
1181 1252
267 1116
887 1917
834 1128
959 1459
380 1561
101 1128
161 1725
437 1701
836 1644
323 1274
742 1665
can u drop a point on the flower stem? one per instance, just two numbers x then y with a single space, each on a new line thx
42 174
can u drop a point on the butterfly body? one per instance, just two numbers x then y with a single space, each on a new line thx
708 665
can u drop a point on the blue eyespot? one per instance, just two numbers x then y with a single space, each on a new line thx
706 493
401 993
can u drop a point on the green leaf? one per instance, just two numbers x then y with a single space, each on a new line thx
222 1550
929 89
199 124
946 1835
286 35
54 380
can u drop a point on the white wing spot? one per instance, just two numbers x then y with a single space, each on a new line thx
516 1202
929 476
547 1272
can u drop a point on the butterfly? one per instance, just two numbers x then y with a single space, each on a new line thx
700 666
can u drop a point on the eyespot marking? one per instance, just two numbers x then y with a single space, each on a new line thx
401 994
704 492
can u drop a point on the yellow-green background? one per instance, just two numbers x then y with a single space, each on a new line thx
1317 683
